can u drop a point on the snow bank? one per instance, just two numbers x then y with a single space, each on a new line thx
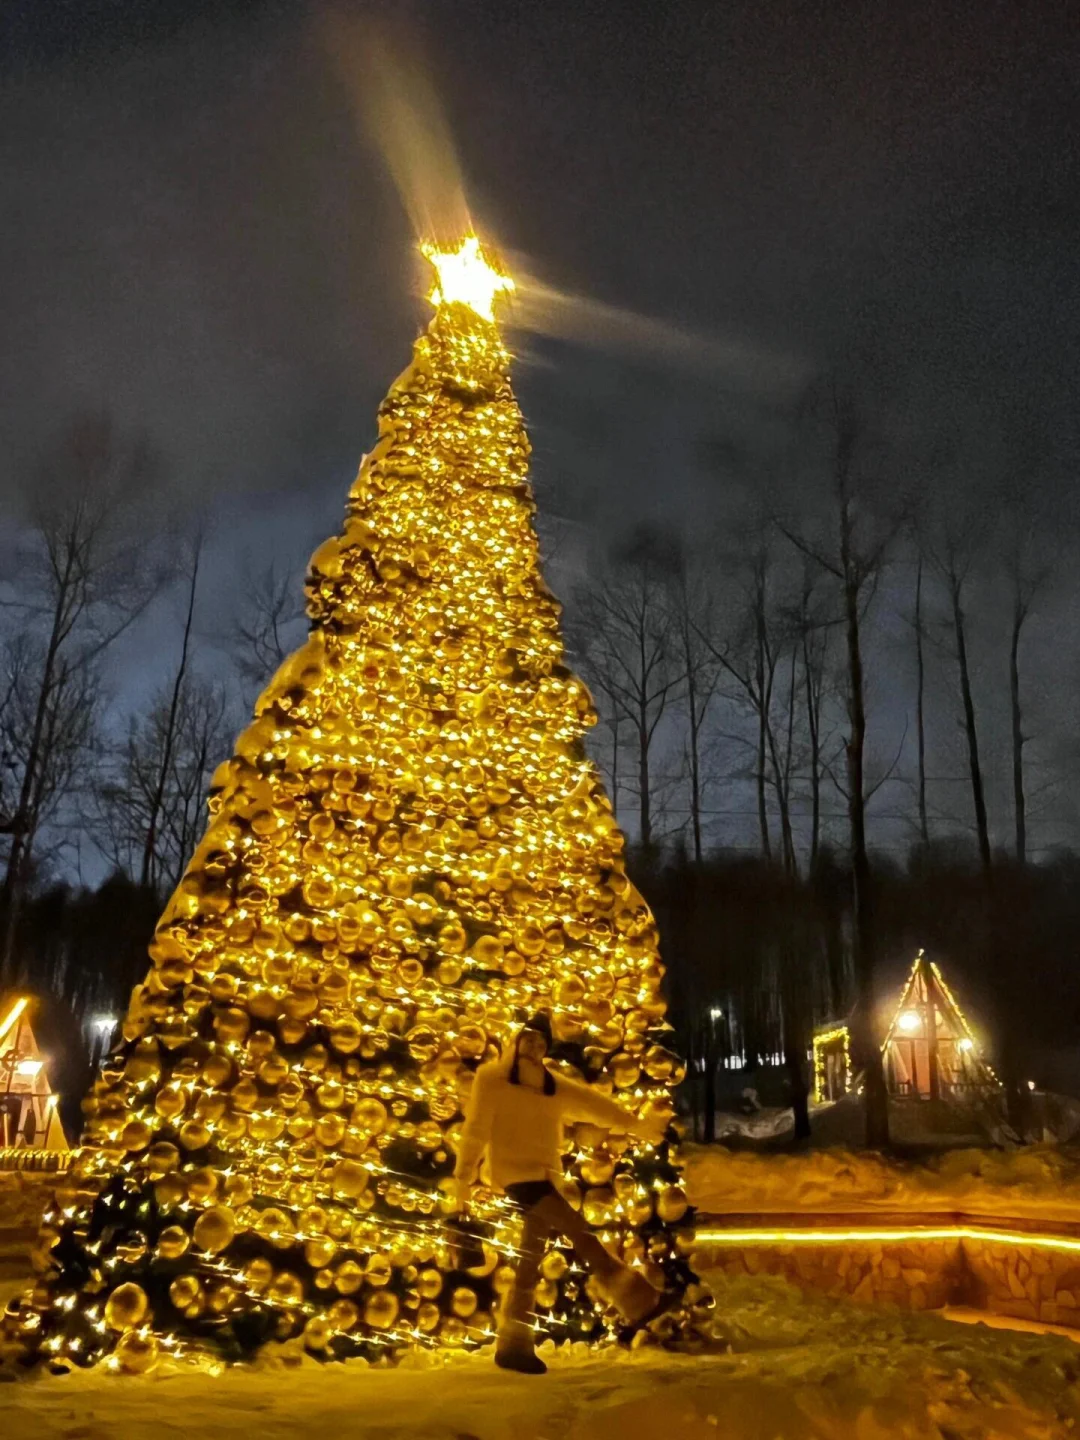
799 1368
23 1197
1036 1182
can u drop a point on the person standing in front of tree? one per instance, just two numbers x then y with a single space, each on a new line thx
516 1117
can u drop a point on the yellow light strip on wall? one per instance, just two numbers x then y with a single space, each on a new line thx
888 1235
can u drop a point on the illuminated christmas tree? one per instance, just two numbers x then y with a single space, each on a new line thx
408 853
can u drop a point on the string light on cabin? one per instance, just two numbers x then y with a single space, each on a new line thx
408 853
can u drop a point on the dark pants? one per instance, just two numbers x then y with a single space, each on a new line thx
547 1214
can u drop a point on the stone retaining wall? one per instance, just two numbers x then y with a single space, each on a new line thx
1028 1284
915 1276
1023 1281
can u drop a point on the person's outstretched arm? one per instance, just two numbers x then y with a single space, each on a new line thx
586 1103
476 1131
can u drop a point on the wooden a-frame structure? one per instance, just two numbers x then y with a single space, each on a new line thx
930 1051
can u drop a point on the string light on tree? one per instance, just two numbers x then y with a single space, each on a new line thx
407 853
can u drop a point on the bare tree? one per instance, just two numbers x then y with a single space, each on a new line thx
955 547
694 627
1028 574
147 869
813 625
84 574
852 547
920 700
624 632
59 736
268 623
748 656
762 656
159 777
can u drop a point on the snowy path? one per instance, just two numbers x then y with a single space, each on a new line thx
802 1367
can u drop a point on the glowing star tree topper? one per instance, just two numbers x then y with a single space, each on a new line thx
465 276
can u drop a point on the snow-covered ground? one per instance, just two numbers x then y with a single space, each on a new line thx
799 1367
22 1198
913 1125
785 1365
1031 1182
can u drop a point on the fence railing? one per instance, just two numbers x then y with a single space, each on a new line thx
27 1158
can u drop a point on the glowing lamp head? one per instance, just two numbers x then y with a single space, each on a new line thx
909 1021
466 276
29 1068
965 1043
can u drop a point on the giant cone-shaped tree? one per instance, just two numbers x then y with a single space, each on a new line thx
407 854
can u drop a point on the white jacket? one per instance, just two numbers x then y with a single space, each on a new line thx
522 1129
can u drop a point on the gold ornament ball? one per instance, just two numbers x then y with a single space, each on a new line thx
597 1169
545 1294
162 1157
370 1115
429 1283
137 1354
136 1135
318 1332
672 1204
185 1291
454 1331
172 1242
286 1289
428 1317
640 1209
597 1205
222 1298
348 1277
126 1307
202 1184
554 1265
238 1190
379 1270
348 1179
463 1302
343 1315
215 1229
381 1310
319 1253
194 1135
258 1273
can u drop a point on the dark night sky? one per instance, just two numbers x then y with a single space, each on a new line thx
196 236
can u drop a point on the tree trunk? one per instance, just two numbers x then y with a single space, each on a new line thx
978 795
799 1089
877 1107
644 798
147 876
763 733
813 728
695 760
920 713
709 1077
1019 806
11 891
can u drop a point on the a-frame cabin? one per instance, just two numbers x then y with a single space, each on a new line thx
28 1113
930 1051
